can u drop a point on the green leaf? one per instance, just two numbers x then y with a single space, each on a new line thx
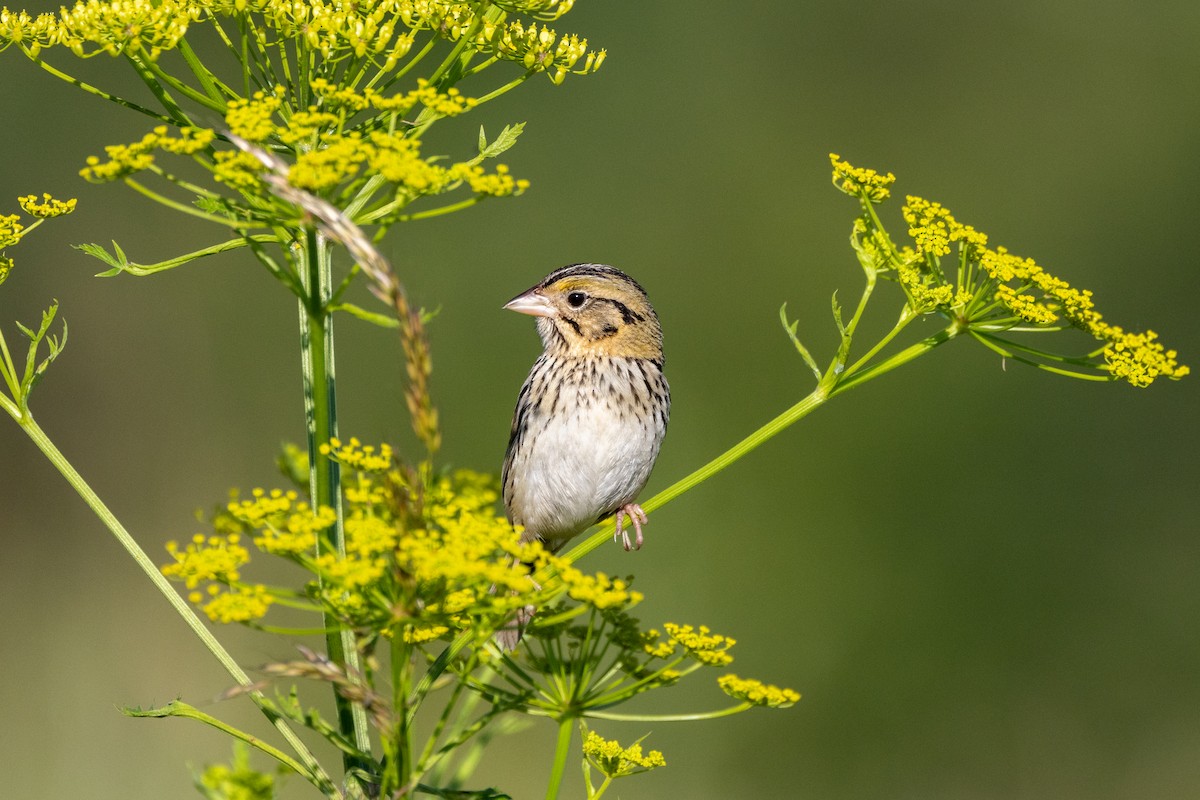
382 320
34 369
506 139
837 314
791 332
118 262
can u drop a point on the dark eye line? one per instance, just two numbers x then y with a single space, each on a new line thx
628 316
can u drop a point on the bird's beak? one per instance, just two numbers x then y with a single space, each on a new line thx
533 303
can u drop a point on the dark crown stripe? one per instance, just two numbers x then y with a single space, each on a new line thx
594 270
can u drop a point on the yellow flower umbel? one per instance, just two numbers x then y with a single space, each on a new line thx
613 761
988 292
12 230
756 692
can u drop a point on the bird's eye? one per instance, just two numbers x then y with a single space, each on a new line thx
575 299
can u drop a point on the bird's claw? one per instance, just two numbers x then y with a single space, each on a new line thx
638 517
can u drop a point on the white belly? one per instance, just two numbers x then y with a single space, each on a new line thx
582 461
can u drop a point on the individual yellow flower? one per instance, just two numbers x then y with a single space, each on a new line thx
756 692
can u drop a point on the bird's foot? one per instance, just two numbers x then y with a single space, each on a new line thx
638 517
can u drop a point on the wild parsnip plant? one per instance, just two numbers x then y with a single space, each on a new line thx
295 127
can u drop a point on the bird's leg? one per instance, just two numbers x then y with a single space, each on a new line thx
508 636
638 518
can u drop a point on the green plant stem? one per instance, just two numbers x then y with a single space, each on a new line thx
724 712
177 708
566 727
833 384
316 326
90 89
313 769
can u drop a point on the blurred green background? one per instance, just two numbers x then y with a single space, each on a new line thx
984 581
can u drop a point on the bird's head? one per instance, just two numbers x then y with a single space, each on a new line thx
592 310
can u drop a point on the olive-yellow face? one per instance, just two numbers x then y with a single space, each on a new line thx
592 310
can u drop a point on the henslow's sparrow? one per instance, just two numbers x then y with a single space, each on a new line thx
593 411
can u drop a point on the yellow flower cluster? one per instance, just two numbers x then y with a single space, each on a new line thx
860 182
1137 358
700 643
11 230
48 207
540 9
143 28
1025 306
383 31
32 33
420 560
598 591
126 159
615 761
999 289
495 184
934 228
756 692
539 49
334 97
241 604
238 170
207 558
252 118
922 288
283 524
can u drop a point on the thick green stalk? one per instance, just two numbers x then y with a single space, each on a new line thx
55 457
561 751
316 337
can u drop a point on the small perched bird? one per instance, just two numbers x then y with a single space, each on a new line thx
593 411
